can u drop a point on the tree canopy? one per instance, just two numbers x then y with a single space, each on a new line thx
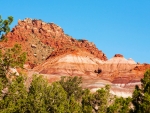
5 25
141 95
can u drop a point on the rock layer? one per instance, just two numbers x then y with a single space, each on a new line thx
79 63
118 63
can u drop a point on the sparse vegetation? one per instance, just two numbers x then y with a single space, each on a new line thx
67 35
80 40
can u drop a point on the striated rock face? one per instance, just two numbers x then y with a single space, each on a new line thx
75 64
44 40
53 54
118 69
118 72
118 63
123 74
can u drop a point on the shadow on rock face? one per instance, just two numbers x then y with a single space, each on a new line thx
98 71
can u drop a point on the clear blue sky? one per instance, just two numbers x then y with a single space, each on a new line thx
115 26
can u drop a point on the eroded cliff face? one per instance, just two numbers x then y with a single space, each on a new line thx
53 54
118 63
123 73
44 40
71 64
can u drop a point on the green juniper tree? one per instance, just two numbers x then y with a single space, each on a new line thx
72 85
120 105
11 58
13 93
37 95
4 26
87 104
96 102
74 106
141 95
46 98
57 100
14 99
101 99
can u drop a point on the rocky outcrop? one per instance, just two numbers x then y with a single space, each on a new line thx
142 67
118 55
53 54
44 40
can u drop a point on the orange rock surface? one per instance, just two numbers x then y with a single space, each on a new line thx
53 53
43 40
